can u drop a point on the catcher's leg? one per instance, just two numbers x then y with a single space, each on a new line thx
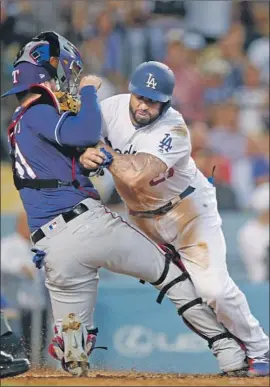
198 316
130 252
73 291
100 239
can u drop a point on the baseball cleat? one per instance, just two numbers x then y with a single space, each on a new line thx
75 357
72 345
11 367
259 366
236 373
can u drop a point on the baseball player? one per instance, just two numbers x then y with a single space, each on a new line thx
170 200
73 235
8 365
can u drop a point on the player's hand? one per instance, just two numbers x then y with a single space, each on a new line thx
90 80
92 158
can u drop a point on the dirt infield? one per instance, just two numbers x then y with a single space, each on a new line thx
105 378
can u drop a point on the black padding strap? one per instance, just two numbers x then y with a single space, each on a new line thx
189 305
223 335
165 272
162 293
42 183
93 331
220 336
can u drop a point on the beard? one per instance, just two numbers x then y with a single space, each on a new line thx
142 119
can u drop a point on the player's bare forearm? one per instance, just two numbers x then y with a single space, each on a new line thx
135 170
130 170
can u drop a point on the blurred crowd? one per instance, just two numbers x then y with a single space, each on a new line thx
218 50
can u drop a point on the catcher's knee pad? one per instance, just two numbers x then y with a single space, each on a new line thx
72 344
197 315
171 257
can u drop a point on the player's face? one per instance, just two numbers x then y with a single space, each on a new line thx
143 110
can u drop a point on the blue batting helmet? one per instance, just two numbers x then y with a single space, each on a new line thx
153 80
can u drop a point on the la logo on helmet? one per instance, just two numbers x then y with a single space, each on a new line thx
151 82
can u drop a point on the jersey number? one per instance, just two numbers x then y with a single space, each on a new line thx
21 165
157 181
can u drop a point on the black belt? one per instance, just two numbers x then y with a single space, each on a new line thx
164 209
67 216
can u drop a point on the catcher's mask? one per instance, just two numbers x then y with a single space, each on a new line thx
65 69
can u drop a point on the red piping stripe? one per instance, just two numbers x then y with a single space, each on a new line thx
123 221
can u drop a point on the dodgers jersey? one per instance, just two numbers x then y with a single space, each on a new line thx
167 138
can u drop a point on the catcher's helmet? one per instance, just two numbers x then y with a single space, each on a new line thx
153 80
37 53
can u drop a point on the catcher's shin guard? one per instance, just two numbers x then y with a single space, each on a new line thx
72 345
197 315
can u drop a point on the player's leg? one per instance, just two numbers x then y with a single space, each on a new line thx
193 227
73 292
214 284
118 247
97 238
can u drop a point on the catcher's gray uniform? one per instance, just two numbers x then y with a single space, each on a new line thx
75 250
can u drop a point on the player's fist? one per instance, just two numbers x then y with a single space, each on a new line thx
92 158
90 80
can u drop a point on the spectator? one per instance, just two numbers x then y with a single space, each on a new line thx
194 44
83 17
199 137
102 48
258 50
188 91
18 23
251 99
20 277
216 82
226 139
136 40
229 49
212 164
253 237
212 19
231 45
258 152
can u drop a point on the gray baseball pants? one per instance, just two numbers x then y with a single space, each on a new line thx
99 238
